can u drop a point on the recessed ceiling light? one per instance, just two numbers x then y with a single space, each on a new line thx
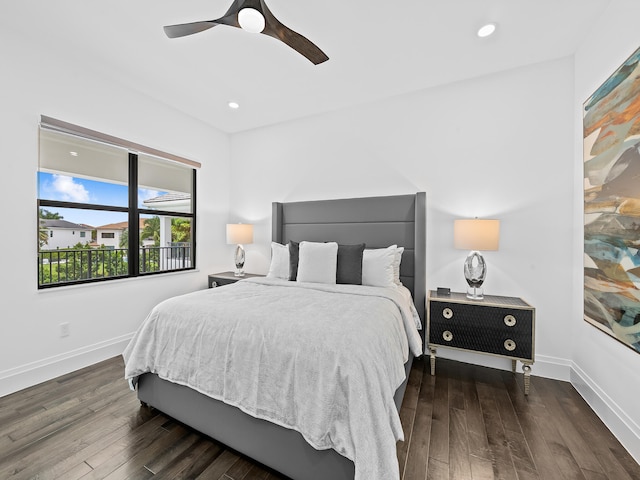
487 30
233 105
74 154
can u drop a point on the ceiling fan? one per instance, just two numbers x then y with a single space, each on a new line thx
253 16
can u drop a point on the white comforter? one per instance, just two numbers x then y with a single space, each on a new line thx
324 360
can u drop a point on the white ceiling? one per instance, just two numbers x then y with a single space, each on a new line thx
377 49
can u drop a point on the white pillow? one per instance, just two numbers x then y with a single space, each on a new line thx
279 266
317 262
377 266
396 265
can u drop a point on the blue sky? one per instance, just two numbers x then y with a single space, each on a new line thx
73 189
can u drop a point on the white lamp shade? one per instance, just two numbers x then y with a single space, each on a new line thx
239 233
476 234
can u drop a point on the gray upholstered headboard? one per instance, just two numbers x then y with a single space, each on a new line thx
376 221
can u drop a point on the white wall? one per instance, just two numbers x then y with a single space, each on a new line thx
101 316
64 238
109 242
606 372
499 146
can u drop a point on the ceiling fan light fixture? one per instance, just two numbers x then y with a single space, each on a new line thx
251 20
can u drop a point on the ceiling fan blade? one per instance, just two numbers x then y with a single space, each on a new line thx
299 43
276 29
184 29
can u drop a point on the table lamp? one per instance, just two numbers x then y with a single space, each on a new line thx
475 235
239 234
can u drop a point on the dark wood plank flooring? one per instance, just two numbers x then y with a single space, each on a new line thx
467 422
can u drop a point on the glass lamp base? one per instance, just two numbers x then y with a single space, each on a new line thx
475 293
239 261
475 271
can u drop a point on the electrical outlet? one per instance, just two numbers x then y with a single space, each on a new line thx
65 329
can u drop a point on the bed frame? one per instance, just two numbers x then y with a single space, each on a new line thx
376 221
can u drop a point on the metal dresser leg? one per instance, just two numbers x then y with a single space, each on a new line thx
526 368
433 360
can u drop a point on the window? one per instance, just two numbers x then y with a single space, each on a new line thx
137 204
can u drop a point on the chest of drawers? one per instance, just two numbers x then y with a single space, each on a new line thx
502 326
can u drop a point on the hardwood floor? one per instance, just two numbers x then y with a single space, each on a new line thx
468 422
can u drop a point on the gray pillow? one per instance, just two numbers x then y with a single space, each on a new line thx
350 264
294 253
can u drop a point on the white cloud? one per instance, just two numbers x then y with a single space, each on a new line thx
146 194
69 190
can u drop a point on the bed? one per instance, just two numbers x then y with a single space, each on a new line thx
376 221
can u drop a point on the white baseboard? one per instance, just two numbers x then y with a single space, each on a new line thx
620 424
544 366
34 373
552 367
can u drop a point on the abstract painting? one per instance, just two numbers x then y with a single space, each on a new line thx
611 135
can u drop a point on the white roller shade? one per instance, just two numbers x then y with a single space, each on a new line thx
158 174
79 157
54 124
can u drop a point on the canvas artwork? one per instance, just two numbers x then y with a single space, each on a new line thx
611 123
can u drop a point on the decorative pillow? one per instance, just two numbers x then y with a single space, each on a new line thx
317 262
279 266
350 264
377 266
396 265
293 260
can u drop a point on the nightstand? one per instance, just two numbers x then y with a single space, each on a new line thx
500 326
226 278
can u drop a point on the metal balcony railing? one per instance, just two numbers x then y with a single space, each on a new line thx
78 265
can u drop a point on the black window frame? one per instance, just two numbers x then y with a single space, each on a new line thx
134 213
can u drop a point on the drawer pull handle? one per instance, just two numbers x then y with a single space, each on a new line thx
447 313
509 320
447 335
510 345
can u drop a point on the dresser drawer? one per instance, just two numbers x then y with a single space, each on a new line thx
483 328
